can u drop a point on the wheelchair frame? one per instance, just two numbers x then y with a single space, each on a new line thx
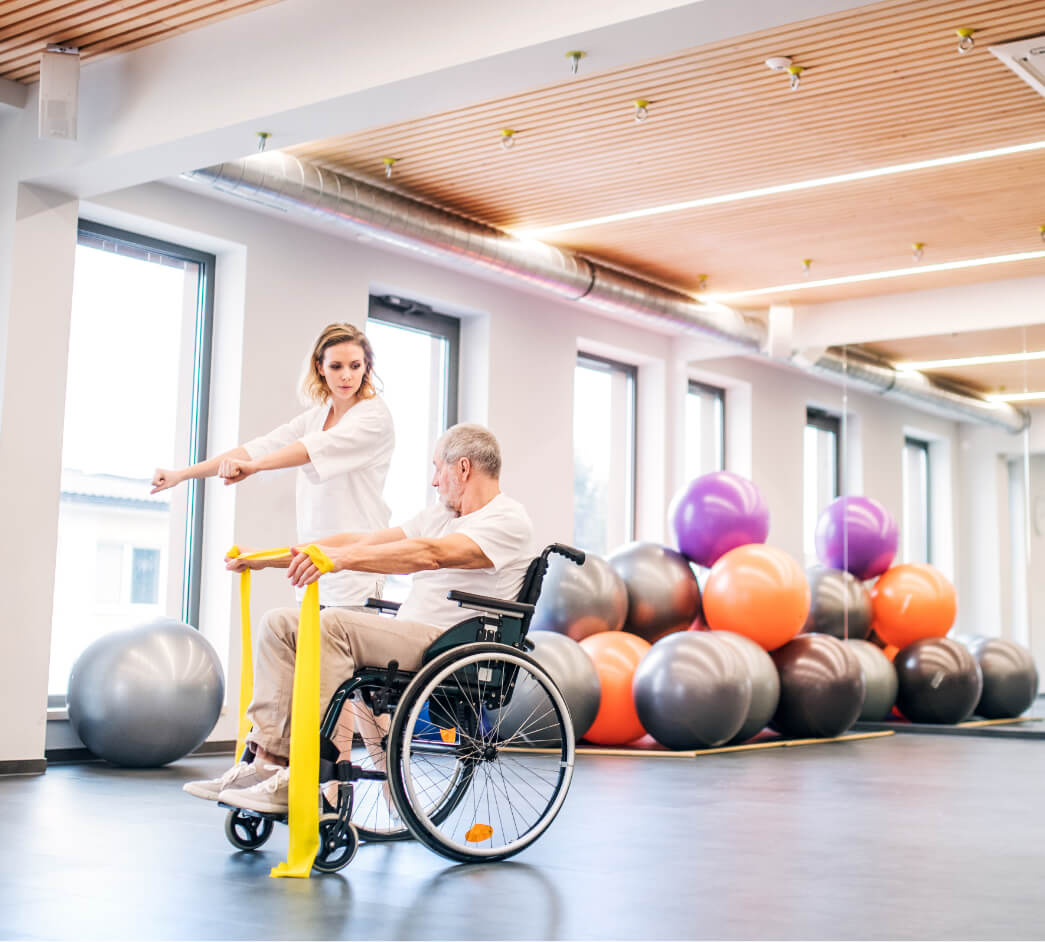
478 777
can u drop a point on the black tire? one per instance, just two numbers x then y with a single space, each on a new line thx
247 831
336 847
513 793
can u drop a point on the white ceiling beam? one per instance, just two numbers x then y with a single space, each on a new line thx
12 94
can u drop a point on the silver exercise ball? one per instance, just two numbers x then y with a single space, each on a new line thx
574 674
663 594
578 601
146 696
879 680
765 684
1010 677
692 691
832 592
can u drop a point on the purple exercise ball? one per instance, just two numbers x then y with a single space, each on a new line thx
718 512
871 532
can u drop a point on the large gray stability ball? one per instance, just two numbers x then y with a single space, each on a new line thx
821 687
692 691
663 594
574 674
1010 677
765 684
578 601
146 696
840 604
939 681
879 680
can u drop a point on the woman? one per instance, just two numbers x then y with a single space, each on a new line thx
342 448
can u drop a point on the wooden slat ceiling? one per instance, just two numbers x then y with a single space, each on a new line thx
99 27
884 84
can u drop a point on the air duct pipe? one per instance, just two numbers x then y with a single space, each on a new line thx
280 181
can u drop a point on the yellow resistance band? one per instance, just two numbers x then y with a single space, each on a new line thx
303 813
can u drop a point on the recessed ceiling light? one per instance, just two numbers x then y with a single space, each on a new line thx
877 275
970 361
763 191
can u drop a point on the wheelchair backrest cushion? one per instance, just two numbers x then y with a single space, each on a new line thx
500 528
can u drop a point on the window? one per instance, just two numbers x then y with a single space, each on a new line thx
917 504
822 472
416 353
604 410
136 396
705 429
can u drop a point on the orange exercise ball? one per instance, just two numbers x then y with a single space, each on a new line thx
616 655
757 591
912 601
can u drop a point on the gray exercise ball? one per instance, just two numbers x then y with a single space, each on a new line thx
663 594
574 674
821 687
1010 677
578 601
832 592
146 696
879 680
692 691
765 684
940 681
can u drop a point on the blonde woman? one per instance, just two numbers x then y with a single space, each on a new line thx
342 448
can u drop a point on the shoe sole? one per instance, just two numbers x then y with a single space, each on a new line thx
200 793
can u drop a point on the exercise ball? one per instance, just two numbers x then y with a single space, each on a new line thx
868 529
1010 677
912 601
616 655
663 594
578 601
692 691
939 681
146 696
821 687
765 684
840 604
759 592
879 680
716 513
573 673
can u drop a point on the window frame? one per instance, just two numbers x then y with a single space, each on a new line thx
829 422
924 446
696 387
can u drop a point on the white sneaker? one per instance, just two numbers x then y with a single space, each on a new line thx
241 775
271 795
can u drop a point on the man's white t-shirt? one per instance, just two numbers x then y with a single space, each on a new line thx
342 487
501 529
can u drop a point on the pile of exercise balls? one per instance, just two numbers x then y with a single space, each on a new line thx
806 654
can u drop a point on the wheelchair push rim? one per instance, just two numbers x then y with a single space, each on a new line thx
515 790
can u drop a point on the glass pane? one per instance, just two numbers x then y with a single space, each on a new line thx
412 367
704 417
820 482
916 503
126 411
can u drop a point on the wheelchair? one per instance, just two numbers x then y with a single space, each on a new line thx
472 754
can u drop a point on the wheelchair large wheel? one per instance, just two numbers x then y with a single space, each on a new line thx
514 790
374 813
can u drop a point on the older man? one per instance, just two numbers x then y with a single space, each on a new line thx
476 539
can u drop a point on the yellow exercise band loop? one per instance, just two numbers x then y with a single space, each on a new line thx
303 811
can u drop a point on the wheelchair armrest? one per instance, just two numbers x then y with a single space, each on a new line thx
484 603
383 605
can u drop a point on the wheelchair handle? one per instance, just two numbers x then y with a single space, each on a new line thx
574 555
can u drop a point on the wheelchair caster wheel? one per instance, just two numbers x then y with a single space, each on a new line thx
247 831
335 850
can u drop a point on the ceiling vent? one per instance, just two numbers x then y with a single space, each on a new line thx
1026 57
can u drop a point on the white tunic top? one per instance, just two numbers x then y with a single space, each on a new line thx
501 529
341 489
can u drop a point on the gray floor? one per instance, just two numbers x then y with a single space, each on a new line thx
907 837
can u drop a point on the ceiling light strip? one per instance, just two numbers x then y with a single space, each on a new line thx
918 366
784 188
876 276
1015 397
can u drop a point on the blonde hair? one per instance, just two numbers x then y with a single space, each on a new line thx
314 387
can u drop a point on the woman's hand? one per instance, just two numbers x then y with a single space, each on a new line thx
162 478
234 470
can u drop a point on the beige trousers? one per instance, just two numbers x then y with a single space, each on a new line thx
348 640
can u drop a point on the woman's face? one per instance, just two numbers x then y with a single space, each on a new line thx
343 367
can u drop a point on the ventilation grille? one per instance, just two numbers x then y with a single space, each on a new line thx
1026 57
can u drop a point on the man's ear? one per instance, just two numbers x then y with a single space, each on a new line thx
464 465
